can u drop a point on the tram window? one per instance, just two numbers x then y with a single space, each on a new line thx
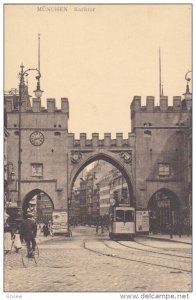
119 216
129 216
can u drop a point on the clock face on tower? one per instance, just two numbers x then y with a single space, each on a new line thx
36 138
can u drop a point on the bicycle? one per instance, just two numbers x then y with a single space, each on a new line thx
28 255
12 248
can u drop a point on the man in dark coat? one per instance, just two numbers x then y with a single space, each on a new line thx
29 232
99 224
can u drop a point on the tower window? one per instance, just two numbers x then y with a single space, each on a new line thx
147 132
57 133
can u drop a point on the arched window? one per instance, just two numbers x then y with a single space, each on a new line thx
57 133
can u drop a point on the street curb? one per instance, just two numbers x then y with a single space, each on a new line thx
164 239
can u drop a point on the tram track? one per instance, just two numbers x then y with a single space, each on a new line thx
157 256
150 246
117 256
151 251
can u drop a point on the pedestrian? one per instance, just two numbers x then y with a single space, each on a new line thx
51 229
46 229
171 230
17 240
39 228
99 224
188 229
7 237
179 225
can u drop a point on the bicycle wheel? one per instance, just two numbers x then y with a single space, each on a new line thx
24 256
36 254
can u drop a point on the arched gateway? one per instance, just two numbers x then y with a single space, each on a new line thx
116 158
155 155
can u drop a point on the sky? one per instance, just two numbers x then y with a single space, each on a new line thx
101 58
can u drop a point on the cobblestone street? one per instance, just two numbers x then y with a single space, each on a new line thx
70 264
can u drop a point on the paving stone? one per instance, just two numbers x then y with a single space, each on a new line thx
65 265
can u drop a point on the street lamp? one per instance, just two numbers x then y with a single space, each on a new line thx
10 178
10 175
38 93
188 95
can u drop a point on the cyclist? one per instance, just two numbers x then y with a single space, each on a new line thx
29 232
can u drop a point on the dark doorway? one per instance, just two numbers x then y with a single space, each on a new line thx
163 211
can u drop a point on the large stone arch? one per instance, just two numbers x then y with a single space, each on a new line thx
109 157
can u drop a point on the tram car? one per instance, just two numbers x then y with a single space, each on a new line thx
121 222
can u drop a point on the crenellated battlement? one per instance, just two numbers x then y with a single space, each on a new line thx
95 142
36 106
49 117
178 104
161 115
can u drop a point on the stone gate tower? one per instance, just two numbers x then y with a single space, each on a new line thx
155 159
43 148
163 154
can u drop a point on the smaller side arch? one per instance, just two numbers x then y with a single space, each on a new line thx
164 210
32 194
